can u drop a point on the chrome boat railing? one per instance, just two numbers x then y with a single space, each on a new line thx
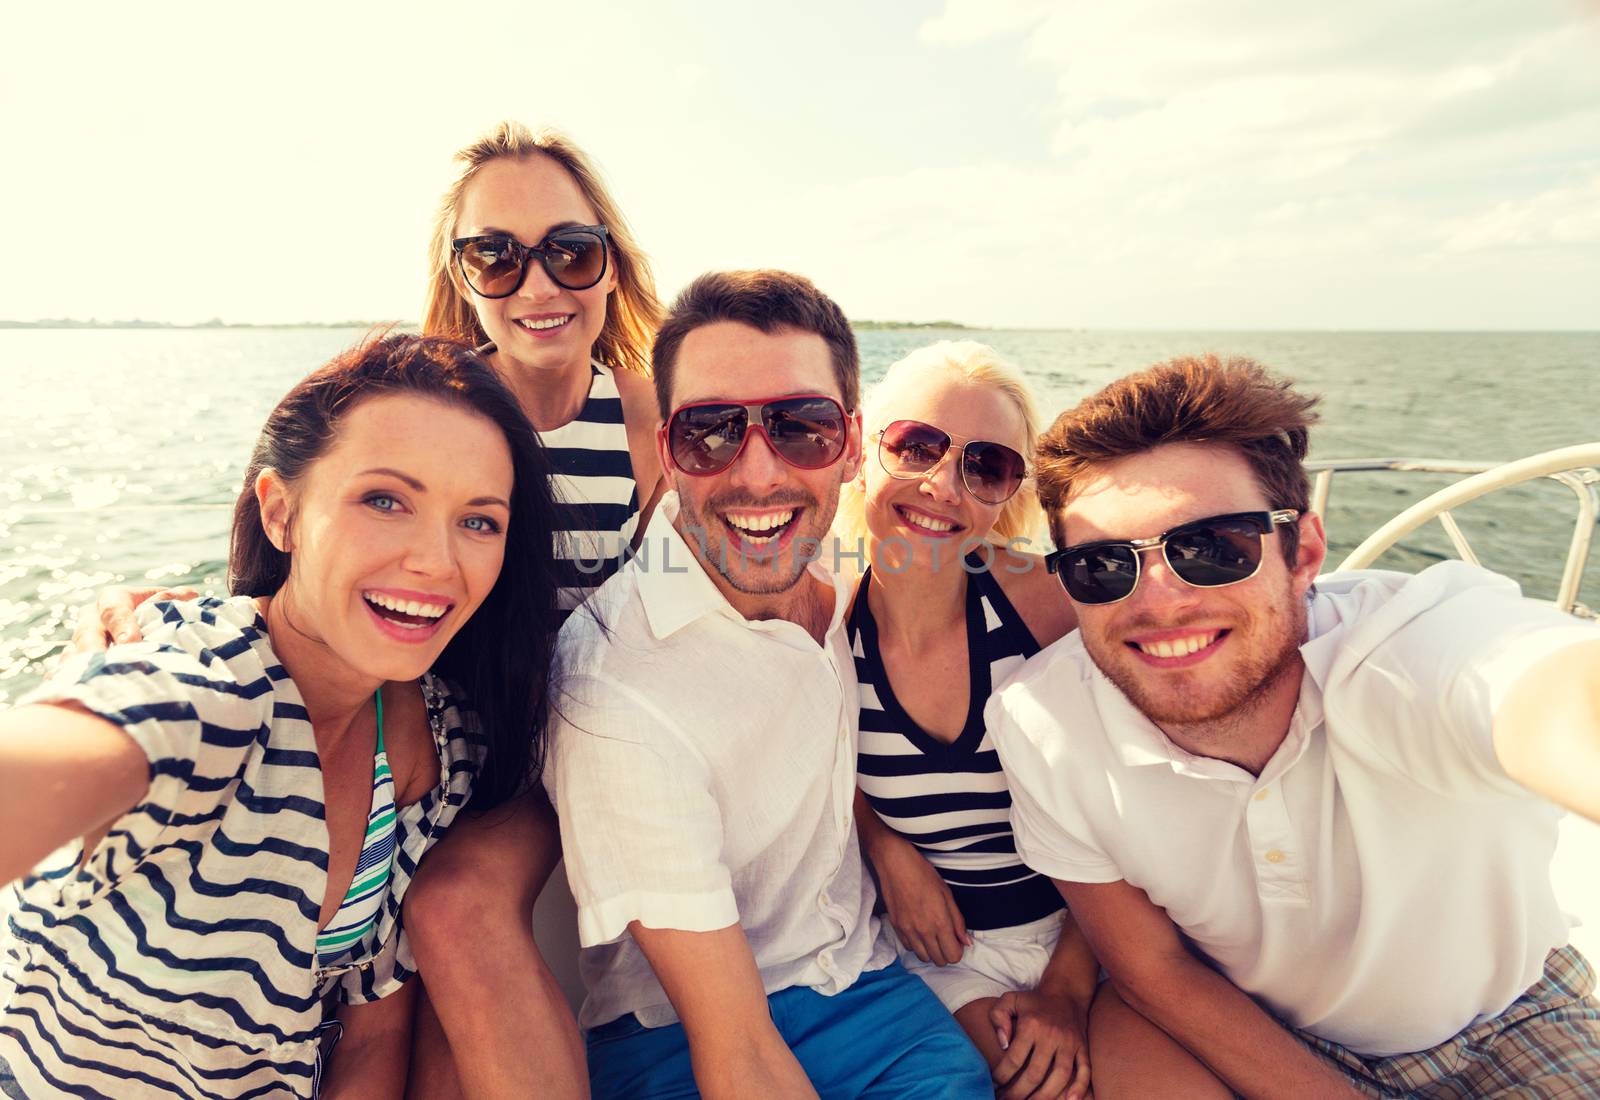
1576 467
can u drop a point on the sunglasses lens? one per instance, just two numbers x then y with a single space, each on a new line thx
705 438
808 432
575 259
493 267
1215 552
1102 574
993 472
908 448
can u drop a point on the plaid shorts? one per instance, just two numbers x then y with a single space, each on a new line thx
1544 1046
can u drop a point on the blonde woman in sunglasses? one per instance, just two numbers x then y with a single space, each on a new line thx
953 600
533 262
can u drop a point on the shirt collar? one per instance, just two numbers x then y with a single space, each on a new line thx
675 589
1139 742
1325 637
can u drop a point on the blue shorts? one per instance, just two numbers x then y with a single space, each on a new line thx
886 1037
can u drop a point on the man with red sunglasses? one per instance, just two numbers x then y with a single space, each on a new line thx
703 757
1306 828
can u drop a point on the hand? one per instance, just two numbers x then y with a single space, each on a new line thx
110 619
1044 1037
919 904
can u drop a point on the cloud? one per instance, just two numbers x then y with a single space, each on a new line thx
966 21
1561 216
1248 147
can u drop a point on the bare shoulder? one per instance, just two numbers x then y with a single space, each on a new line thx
638 395
1034 592
641 418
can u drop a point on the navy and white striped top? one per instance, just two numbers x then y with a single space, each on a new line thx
597 506
951 800
178 957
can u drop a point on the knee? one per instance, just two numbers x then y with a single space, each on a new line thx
1110 1017
1132 1057
456 898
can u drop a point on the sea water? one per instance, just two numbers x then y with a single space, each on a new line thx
122 451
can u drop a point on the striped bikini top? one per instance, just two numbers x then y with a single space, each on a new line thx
951 799
597 499
369 886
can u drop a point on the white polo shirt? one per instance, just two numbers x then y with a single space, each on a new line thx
703 767
1382 884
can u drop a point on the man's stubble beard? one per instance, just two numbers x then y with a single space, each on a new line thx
724 559
1216 719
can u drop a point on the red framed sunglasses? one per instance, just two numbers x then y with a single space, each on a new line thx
808 431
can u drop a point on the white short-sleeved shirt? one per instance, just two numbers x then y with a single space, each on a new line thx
178 957
703 768
1382 884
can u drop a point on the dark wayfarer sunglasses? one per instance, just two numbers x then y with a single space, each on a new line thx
496 264
808 431
992 472
1207 553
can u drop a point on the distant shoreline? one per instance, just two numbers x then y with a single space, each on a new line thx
71 323
64 323
68 322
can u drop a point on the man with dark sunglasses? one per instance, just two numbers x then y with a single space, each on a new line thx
1306 828
703 757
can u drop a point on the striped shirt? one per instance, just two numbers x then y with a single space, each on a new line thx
951 799
178 957
598 500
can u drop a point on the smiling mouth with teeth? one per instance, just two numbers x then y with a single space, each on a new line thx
1178 647
411 614
544 323
926 523
759 530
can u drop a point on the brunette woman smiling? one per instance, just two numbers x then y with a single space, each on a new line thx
209 833
531 261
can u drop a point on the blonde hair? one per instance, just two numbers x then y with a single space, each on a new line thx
970 362
632 315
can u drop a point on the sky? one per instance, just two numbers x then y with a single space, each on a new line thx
1149 164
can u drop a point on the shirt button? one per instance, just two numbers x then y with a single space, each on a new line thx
1275 856
1261 795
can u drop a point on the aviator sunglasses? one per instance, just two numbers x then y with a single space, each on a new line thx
1207 553
808 431
496 264
992 472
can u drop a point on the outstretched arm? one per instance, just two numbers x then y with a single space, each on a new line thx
1547 729
1156 975
712 981
68 774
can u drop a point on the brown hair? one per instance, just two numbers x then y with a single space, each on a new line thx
764 300
501 657
1189 400
632 311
